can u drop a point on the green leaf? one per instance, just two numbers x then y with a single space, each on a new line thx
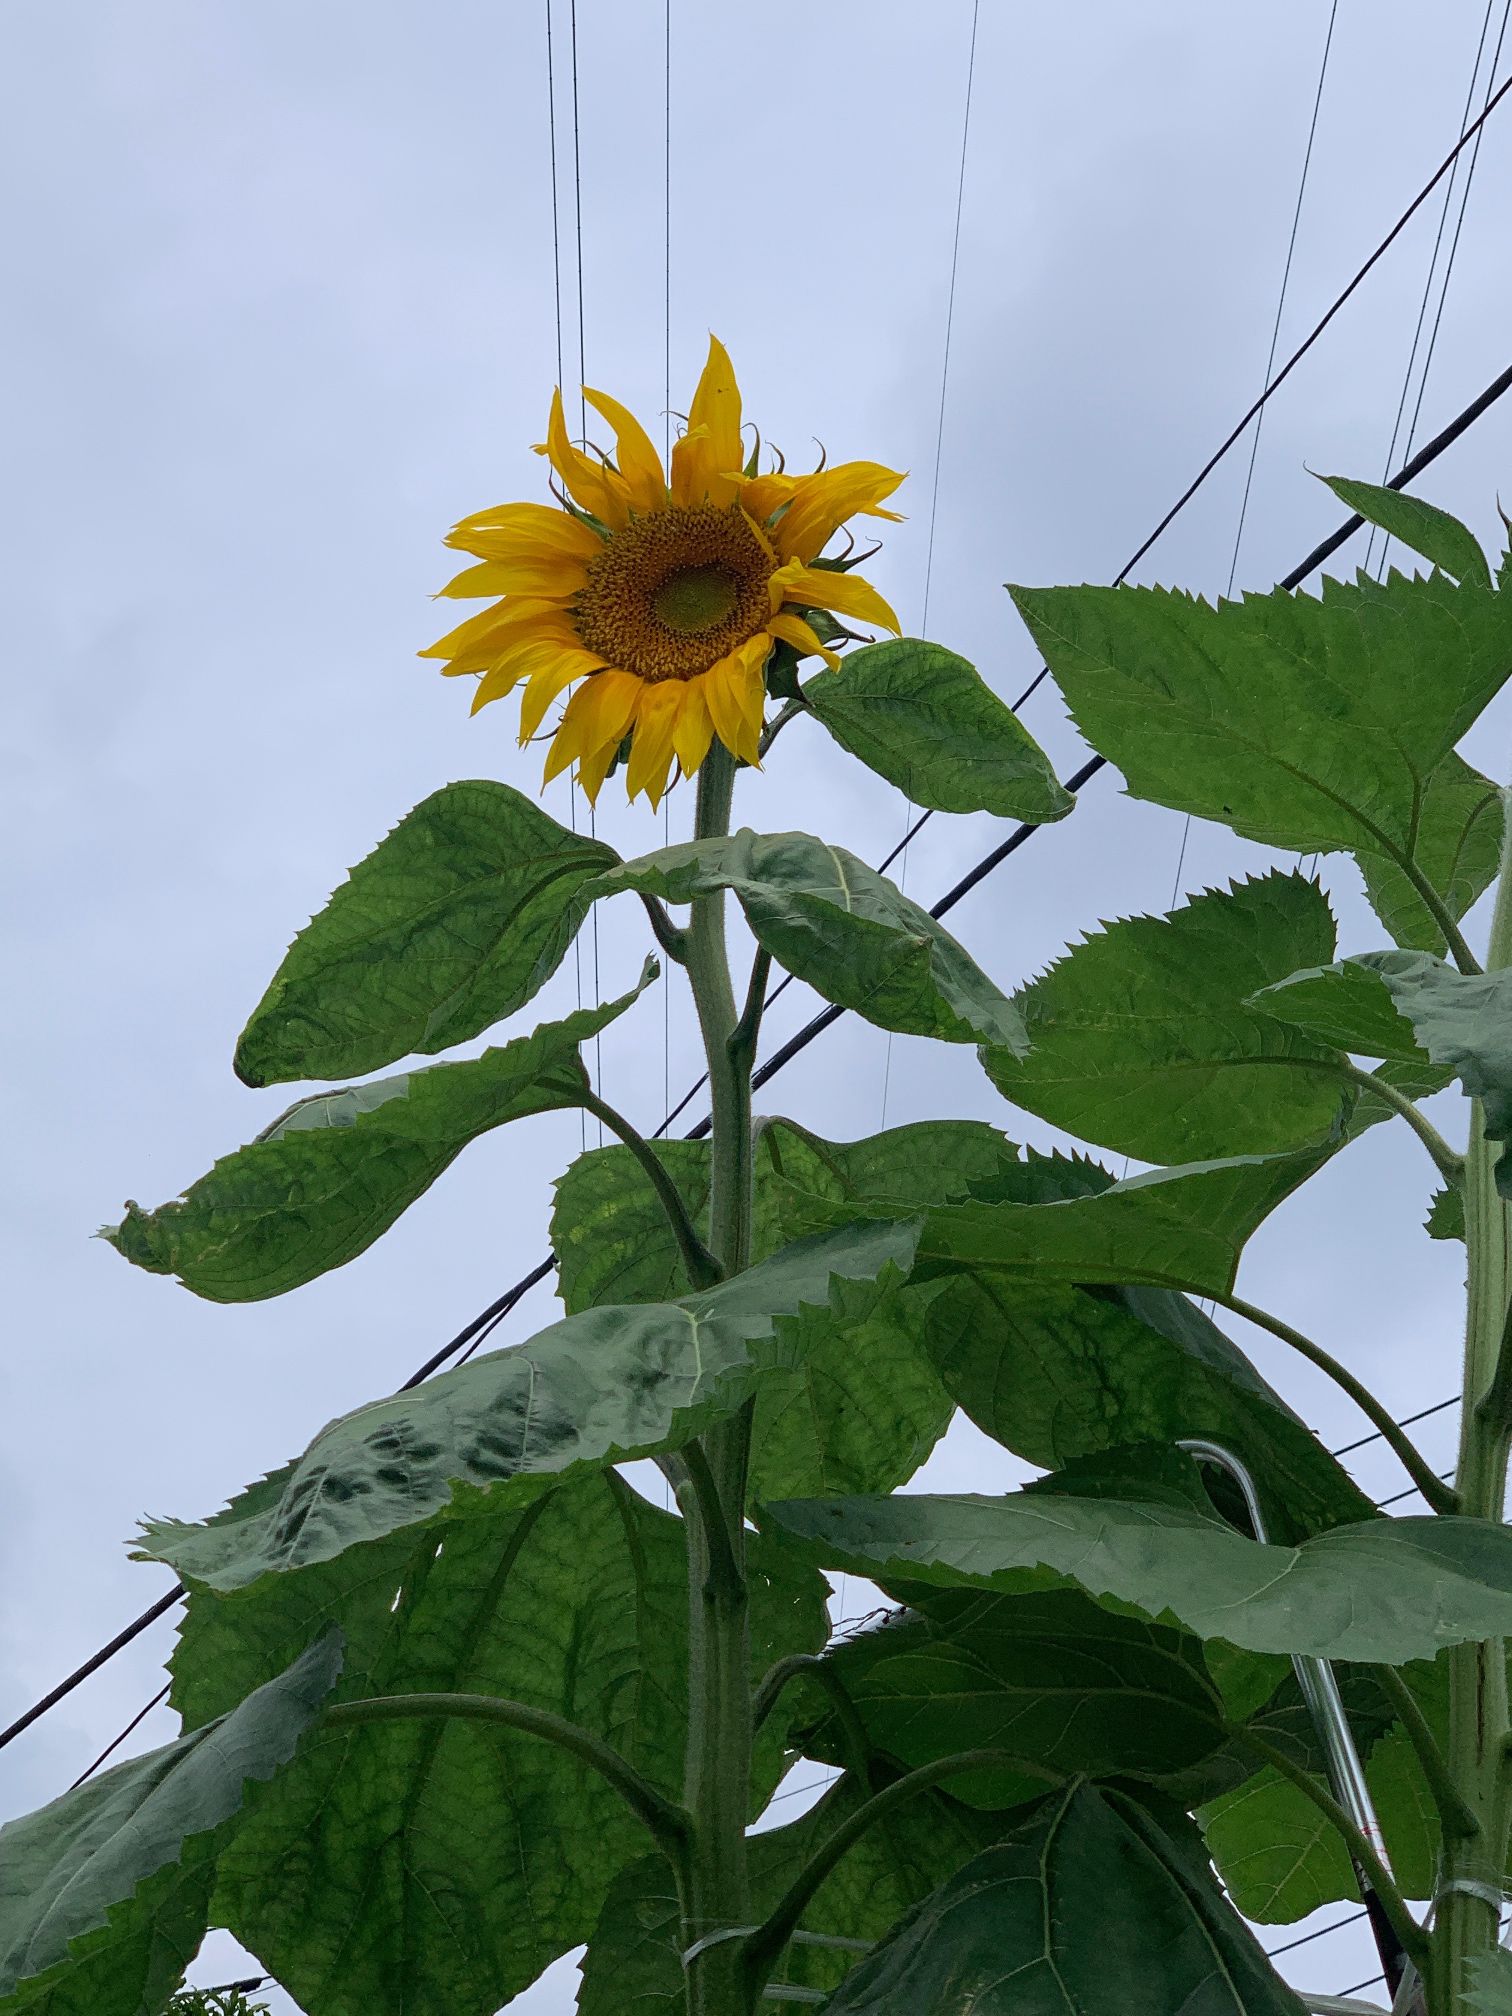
633 1965
1348 1005
1056 1372
1092 1906
1053 1677
106 1892
1308 725
432 1868
1458 847
331 1175
594 1389
832 921
1145 1038
1490 1990
928 722
1181 1228
609 1231
1386 1591
1278 1856
862 1406
1446 1215
450 924
1420 526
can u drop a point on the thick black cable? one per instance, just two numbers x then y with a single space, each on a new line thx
110 1748
82 1673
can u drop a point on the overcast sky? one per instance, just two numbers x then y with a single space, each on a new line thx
280 308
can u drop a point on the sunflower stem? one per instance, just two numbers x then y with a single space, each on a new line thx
717 1778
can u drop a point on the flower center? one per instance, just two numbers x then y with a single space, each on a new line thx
676 591
695 598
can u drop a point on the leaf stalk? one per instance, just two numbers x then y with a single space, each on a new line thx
703 1270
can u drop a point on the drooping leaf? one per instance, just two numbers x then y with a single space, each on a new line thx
1423 527
105 1894
450 924
598 1388
1386 1591
1055 1372
1146 1038
1093 1906
429 1868
609 1231
832 921
633 1965
1458 848
1053 1678
1348 1005
1306 724
333 1173
862 1405
1279 1857
927 721
1182 1228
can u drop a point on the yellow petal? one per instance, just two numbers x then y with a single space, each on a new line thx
694 728
514 531
593 769
548 675
596 717
475 581
762 495
597 489
655 728
523 659
822 503
736 696
793 630
483 635
712 443
639 464
846 594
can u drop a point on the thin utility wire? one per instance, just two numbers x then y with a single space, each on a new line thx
934 493
111 1748
1291 247
1270 365
556 284
1428 278
1271 1952
1405 1422
489 1318
1459 225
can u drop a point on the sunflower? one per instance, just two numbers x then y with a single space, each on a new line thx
663 599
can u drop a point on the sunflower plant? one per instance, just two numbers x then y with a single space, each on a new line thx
458 1698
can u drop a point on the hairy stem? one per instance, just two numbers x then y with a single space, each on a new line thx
763 1946
703 1269
1454 938
717 1778
1434 1489
672 940
1455 1816
670 1825
1415 1942
1467 1919
724 1571
742 1038
814 1666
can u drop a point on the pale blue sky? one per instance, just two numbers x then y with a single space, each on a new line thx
280 308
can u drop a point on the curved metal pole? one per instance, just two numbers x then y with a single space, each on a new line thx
1325 1708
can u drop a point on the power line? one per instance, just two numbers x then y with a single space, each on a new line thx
1270 361
1438 239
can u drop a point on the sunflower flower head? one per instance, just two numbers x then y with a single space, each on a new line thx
656 596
